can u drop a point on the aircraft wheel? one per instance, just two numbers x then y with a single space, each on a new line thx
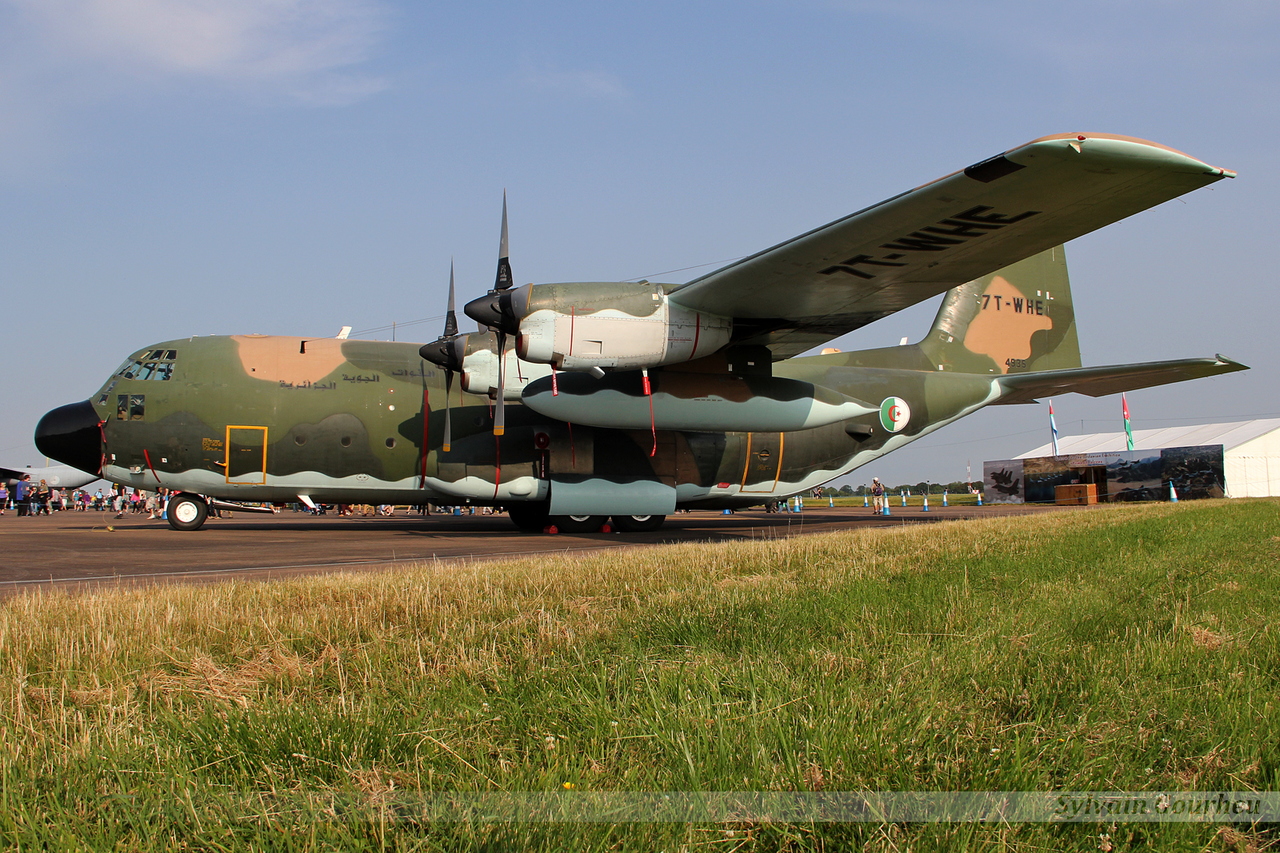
638 523
530 517
187 512
578 523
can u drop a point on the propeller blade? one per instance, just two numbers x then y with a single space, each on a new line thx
450 316
499 419
504 279
448 422
443 351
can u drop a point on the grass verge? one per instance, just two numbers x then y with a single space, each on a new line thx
1122 648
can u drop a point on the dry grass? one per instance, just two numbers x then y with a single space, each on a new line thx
1119 647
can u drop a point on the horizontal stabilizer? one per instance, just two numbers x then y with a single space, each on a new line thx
1111 379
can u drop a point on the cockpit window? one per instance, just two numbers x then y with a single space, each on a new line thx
130 407
153 364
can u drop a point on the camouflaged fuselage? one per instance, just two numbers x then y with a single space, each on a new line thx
259 418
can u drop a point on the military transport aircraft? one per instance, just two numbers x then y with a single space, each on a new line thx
632 399
58 476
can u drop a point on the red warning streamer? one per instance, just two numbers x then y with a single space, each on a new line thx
102 457
497 465
648 392
147 456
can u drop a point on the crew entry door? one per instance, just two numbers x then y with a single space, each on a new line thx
247 455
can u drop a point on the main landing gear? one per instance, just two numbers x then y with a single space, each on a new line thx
534 518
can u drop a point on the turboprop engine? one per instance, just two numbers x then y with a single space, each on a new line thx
475 357
480 369
585 325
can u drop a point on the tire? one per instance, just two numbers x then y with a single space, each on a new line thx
529 517
578 523
187 512
638 523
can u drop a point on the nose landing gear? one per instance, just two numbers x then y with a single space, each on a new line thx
187 511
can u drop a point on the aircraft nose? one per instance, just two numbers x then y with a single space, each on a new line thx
71 435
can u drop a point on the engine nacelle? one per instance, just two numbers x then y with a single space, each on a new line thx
480 367
582 325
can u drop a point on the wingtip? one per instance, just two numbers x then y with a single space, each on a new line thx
1116 144
1230 362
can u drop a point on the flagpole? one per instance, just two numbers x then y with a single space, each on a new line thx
1053 429
1128 428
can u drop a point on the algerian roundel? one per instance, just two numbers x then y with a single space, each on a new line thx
894 414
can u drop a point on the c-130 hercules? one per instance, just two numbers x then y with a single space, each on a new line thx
634 399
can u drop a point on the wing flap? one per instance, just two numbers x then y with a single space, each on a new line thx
887 257
1112 379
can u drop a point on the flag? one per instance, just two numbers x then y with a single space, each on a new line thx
1128 429
1053 428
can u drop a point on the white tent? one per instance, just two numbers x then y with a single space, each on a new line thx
1250 450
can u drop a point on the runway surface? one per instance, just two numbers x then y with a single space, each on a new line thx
88 549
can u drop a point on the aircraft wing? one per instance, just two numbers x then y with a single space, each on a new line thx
60 476
890 256
1101 381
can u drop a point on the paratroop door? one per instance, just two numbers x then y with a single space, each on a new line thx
247 455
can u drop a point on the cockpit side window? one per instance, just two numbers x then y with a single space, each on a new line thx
130 407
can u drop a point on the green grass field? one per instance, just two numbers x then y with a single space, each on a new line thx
1119 648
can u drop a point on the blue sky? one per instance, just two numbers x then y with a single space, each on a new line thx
180 167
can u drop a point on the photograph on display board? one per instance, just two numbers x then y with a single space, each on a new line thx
1196 472
1002 481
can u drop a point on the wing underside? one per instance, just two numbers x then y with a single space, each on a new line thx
892 255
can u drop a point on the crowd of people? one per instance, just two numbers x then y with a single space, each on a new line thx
30 499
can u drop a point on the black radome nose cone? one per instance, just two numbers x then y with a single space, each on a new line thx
484 310
495 311
71 435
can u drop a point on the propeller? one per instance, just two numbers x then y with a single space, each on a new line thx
494 310
445 352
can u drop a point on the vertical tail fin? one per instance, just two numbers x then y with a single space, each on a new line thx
1016 320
